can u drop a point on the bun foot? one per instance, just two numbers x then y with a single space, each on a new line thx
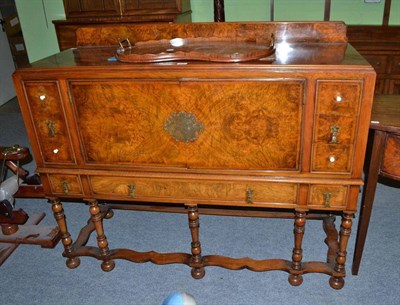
336 282
108 265
295 280
198 273
72 263
109 214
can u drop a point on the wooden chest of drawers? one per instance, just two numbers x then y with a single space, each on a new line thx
283 135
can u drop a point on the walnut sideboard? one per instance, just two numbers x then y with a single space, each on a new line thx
284 136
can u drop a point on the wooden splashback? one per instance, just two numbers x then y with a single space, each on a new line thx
321 32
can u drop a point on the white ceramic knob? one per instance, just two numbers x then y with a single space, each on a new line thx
332 159
55 151
338 98
42 97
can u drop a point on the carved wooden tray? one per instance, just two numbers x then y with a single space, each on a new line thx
204 49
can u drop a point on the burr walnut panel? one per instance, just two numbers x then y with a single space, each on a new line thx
338 98
328 196
66 185
332 157
242 193
326 125
50 124
254 124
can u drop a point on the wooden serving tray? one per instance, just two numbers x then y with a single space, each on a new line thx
203 49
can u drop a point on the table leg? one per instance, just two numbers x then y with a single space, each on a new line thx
66 239
297 256
368 195
337 282
102 242
193 214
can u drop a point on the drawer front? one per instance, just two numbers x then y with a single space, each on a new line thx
333 129
395 67
191 124
338 97
328 196
48 117
241 193
336 119
66 185
379 62
391 157
332 157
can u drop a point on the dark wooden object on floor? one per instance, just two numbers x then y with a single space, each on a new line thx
384 161
284 136
17 227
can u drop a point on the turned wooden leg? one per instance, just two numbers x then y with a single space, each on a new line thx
66 239
296 279
337 282
107 264
331 239
196 261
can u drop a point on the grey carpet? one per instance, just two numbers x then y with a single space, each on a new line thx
33 275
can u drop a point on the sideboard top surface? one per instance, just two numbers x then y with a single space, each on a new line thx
297 43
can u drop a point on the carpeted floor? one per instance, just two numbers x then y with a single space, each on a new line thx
33 275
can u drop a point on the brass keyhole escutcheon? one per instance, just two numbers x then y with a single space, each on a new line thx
334 131
51 129
65 187
131 190
249 196
327 202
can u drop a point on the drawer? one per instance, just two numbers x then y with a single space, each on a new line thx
333 129
65 184
327 196
378 62
48 117
179 190
332 157
338 97
394 86
391 157
395 66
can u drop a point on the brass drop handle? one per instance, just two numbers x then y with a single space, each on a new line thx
249 196
131 190
327 197
334 131
65 187
51 129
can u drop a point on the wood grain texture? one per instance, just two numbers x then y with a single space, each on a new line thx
289 32
50 123
66 185
241 122
391 158
212 191
318 198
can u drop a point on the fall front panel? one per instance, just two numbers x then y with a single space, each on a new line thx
202 124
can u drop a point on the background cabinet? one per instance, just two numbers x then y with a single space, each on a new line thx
380 46
83 13
123 8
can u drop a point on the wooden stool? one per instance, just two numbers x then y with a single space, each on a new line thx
384 161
